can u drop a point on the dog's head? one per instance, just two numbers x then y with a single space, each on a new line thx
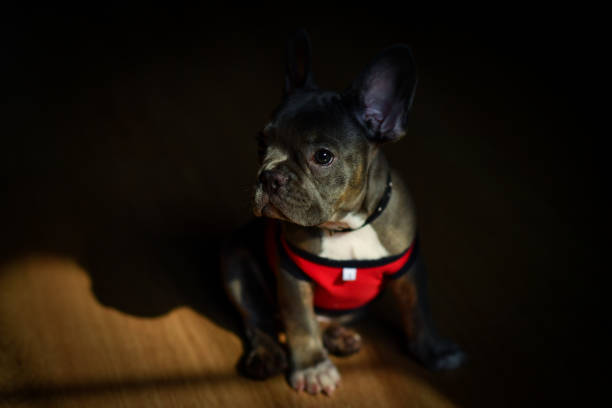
317 150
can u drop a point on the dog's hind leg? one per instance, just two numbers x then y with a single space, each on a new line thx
340 340
407 297
254 296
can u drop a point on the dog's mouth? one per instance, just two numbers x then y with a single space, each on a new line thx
271 211
263 207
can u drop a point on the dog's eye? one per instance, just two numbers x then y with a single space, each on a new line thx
323 157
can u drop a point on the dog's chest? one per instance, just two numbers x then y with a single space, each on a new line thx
362 243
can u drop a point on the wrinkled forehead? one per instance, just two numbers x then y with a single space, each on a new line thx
313 118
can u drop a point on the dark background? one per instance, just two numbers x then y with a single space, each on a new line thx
128 140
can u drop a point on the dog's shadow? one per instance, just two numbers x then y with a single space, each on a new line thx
148 274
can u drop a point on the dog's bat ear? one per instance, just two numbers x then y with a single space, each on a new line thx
298 73
382 95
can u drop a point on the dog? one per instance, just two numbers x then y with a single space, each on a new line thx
335 230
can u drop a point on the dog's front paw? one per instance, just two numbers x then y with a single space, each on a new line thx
438 354
322 377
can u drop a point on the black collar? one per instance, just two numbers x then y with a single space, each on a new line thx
382 204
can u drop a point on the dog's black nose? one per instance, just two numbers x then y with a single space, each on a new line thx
272 180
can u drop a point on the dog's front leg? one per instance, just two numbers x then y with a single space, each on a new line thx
311 369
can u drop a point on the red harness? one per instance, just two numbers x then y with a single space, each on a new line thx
338 285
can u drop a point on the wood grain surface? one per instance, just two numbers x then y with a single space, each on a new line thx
128 156
73 351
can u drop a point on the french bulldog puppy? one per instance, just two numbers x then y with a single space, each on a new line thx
336 230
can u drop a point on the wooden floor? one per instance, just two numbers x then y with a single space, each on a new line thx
126 163
73 351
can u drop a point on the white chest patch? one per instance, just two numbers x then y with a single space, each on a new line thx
354 220
359 244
